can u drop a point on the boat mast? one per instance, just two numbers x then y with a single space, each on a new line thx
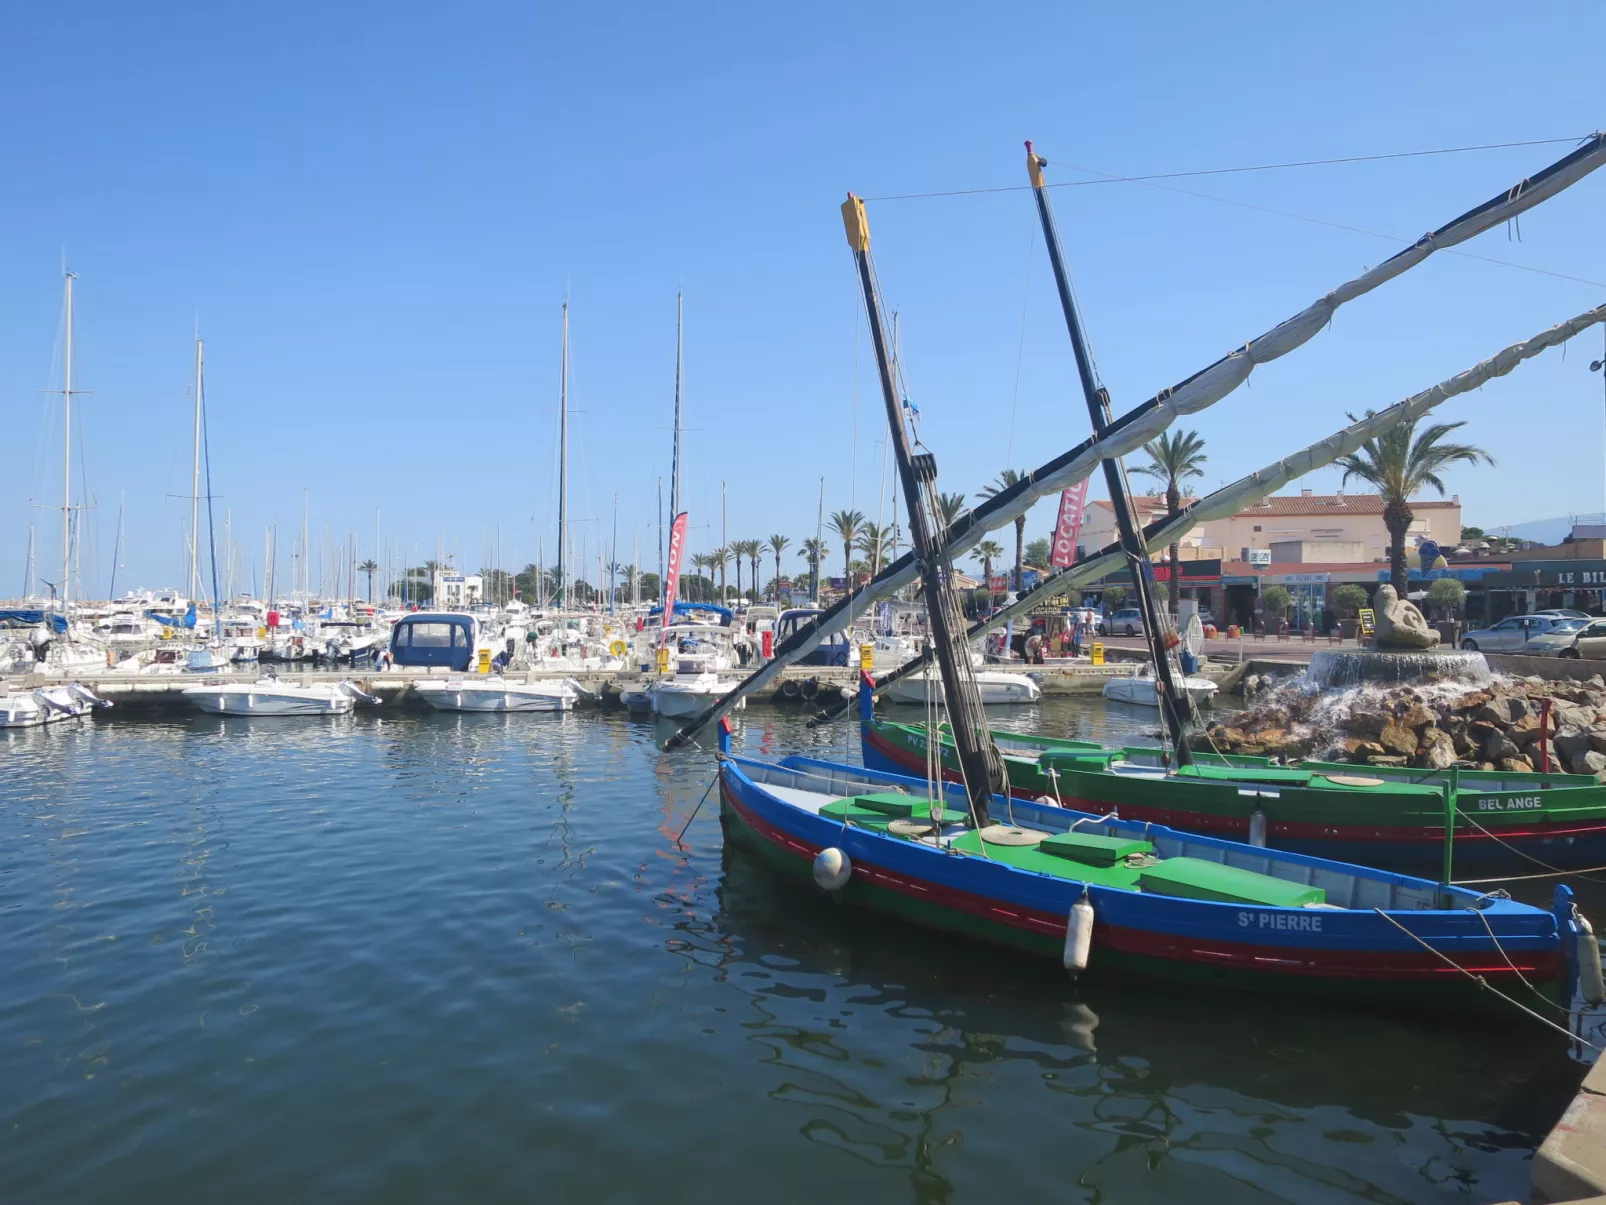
1176 705
980 763
66 459
563 467
674 460
27 575
193 585
613 555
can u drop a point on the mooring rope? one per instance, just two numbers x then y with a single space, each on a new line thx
1485 984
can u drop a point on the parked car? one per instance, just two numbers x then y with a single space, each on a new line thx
1589 641
1558 642
1510 635
1128 621
1564 613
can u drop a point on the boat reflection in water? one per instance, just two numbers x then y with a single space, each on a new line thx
1130 1094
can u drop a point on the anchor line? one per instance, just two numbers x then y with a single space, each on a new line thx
1485 984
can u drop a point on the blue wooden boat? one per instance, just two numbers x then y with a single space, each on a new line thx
1146 898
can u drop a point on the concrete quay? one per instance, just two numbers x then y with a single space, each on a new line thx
1570 1164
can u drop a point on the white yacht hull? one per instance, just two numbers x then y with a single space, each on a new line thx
681 700
1140 690
270 700
996 688
495 695
47 705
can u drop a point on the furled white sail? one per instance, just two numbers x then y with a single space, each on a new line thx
1142 424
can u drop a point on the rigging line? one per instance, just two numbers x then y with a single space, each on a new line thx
1225 171
1300 217
1484 983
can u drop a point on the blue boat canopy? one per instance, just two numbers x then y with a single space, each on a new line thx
686 608
57 621
187 620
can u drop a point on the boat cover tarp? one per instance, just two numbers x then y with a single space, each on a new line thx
186 620
686 608
27 618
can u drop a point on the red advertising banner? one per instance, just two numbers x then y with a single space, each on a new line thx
677 549
1073 502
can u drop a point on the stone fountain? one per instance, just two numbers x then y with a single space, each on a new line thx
1404 650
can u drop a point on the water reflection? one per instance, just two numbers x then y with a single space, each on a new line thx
1223 1094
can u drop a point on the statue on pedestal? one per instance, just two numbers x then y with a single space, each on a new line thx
1399 624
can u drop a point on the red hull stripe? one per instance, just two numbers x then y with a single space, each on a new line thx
1280 960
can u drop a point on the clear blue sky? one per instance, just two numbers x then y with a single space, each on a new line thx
376 211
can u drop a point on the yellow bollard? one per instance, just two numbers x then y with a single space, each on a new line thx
867 657
1096 653
485 661
663 660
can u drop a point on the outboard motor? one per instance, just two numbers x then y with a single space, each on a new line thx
84 695
356 692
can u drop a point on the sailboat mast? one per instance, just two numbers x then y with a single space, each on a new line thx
27 575
563 466
980 762
674 460
193 586
1176 706
66 458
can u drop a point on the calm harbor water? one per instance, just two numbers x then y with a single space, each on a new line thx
423 958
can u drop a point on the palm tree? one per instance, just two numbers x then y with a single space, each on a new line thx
1400 466
1007 479
720 559
846 524
814 551
749 549
704 565
875 541
985 552
777 544
1173 458
949 508
370 567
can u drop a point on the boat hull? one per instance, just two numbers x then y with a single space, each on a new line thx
1385 830
997 689
268 702
488 698
1351 954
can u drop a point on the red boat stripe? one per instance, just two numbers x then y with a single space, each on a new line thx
1359 964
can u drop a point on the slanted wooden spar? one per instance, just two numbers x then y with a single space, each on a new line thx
980 764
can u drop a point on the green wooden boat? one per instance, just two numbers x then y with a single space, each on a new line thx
1505 823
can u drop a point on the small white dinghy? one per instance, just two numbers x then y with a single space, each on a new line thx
498 694
1139 688
996 686
47 704
269 696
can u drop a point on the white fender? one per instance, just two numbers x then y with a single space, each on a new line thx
1589 979
1257 828
1078 935
832 869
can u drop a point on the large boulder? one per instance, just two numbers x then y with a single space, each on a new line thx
1418 715
1397 738
1499 747
1516 765
1437 750
1571 743
1588 762
1399 624
1366 724
1495 711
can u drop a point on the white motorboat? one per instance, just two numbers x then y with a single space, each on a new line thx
1139 687
638 699
686 694
30 708
498 694
269 696
996 686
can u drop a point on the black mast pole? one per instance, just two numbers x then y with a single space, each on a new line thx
979 760
1176 706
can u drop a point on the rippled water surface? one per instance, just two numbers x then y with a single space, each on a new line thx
421 958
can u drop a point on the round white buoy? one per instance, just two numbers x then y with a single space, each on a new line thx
832 869
1589 979
1257 828
1078 935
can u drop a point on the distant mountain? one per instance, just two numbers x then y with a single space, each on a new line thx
1541 531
